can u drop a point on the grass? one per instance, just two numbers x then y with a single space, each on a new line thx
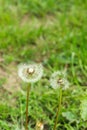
53 32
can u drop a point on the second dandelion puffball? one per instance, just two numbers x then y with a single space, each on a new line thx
58 79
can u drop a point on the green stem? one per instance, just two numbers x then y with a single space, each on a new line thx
58 109
27 102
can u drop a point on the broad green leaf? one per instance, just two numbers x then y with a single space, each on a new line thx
83 109
69 115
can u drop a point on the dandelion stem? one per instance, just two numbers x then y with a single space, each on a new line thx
58 109
27 103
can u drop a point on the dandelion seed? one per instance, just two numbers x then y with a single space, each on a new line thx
58 79
30 72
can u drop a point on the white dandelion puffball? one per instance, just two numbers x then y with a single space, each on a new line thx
58 79
30 72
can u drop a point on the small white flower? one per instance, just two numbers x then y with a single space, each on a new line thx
58 79
30 72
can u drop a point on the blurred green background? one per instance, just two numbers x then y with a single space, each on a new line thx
53 32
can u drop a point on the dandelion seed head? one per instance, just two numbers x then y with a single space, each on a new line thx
30 72
58 79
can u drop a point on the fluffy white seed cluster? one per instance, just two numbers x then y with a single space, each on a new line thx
30 72
58 79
